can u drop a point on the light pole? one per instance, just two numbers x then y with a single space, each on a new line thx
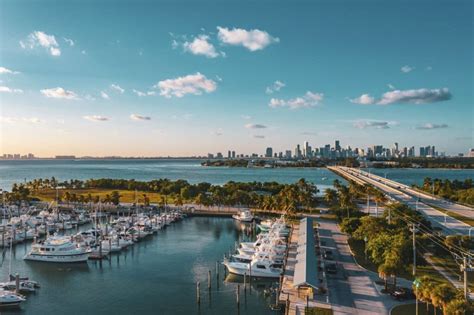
365 247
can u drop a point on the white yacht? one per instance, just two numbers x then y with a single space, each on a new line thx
9 298
256 268
244 216
60 249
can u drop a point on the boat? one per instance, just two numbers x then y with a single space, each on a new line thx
9 298
244 216
59 249
256 268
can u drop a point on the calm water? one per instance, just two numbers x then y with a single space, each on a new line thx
191 170
155 276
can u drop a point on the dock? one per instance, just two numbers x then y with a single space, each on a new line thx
303 283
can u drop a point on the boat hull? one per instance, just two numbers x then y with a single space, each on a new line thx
58 258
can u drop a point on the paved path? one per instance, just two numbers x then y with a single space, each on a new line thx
449 225
352 290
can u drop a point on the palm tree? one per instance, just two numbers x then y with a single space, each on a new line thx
330 196
379 197
442 295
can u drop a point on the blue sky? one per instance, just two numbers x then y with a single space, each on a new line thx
220 75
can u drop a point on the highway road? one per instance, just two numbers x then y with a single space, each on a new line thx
424 197
398 192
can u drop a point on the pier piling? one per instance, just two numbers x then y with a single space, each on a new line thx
17 283
238 295
198 293
209 280
245 282
217 270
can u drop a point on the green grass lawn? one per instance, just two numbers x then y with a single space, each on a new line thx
461 218
318 311
422 269
127 196
410 309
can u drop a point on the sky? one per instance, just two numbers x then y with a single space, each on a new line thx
181 78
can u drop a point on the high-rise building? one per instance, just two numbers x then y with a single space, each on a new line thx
298 152
269 152
288 154
229 154
233 154
337 146
422 152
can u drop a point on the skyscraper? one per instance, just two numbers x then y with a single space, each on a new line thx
269 152
337 146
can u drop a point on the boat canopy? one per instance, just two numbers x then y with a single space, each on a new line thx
306 267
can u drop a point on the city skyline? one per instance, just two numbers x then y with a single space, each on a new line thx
81 82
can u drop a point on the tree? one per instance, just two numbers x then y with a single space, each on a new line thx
442 295
459 307
350 225
115 197
178 201
330 196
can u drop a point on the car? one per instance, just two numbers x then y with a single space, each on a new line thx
328 255
331 268
401 294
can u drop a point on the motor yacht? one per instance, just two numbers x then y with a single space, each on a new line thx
59 249
256 268
244 216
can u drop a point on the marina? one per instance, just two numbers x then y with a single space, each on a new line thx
162 269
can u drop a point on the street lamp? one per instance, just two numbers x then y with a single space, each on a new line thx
365 247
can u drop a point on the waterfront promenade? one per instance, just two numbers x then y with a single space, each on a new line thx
448 224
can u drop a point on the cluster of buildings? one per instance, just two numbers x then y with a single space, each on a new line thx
17 156
307 152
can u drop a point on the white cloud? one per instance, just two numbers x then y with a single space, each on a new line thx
246 117
83 52
117 88
4 70
259 136
89 97
69 41
41 39
253 40
59 92
6 89
429 68
255 126
14 120
391 86
96 118
406 69
419 96
194 84
430 126
364 99
217 133
139 117
139 93
201 46
104 95
377 124
310 99
275 87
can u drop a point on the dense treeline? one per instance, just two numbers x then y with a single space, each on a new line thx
263 195
460 191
